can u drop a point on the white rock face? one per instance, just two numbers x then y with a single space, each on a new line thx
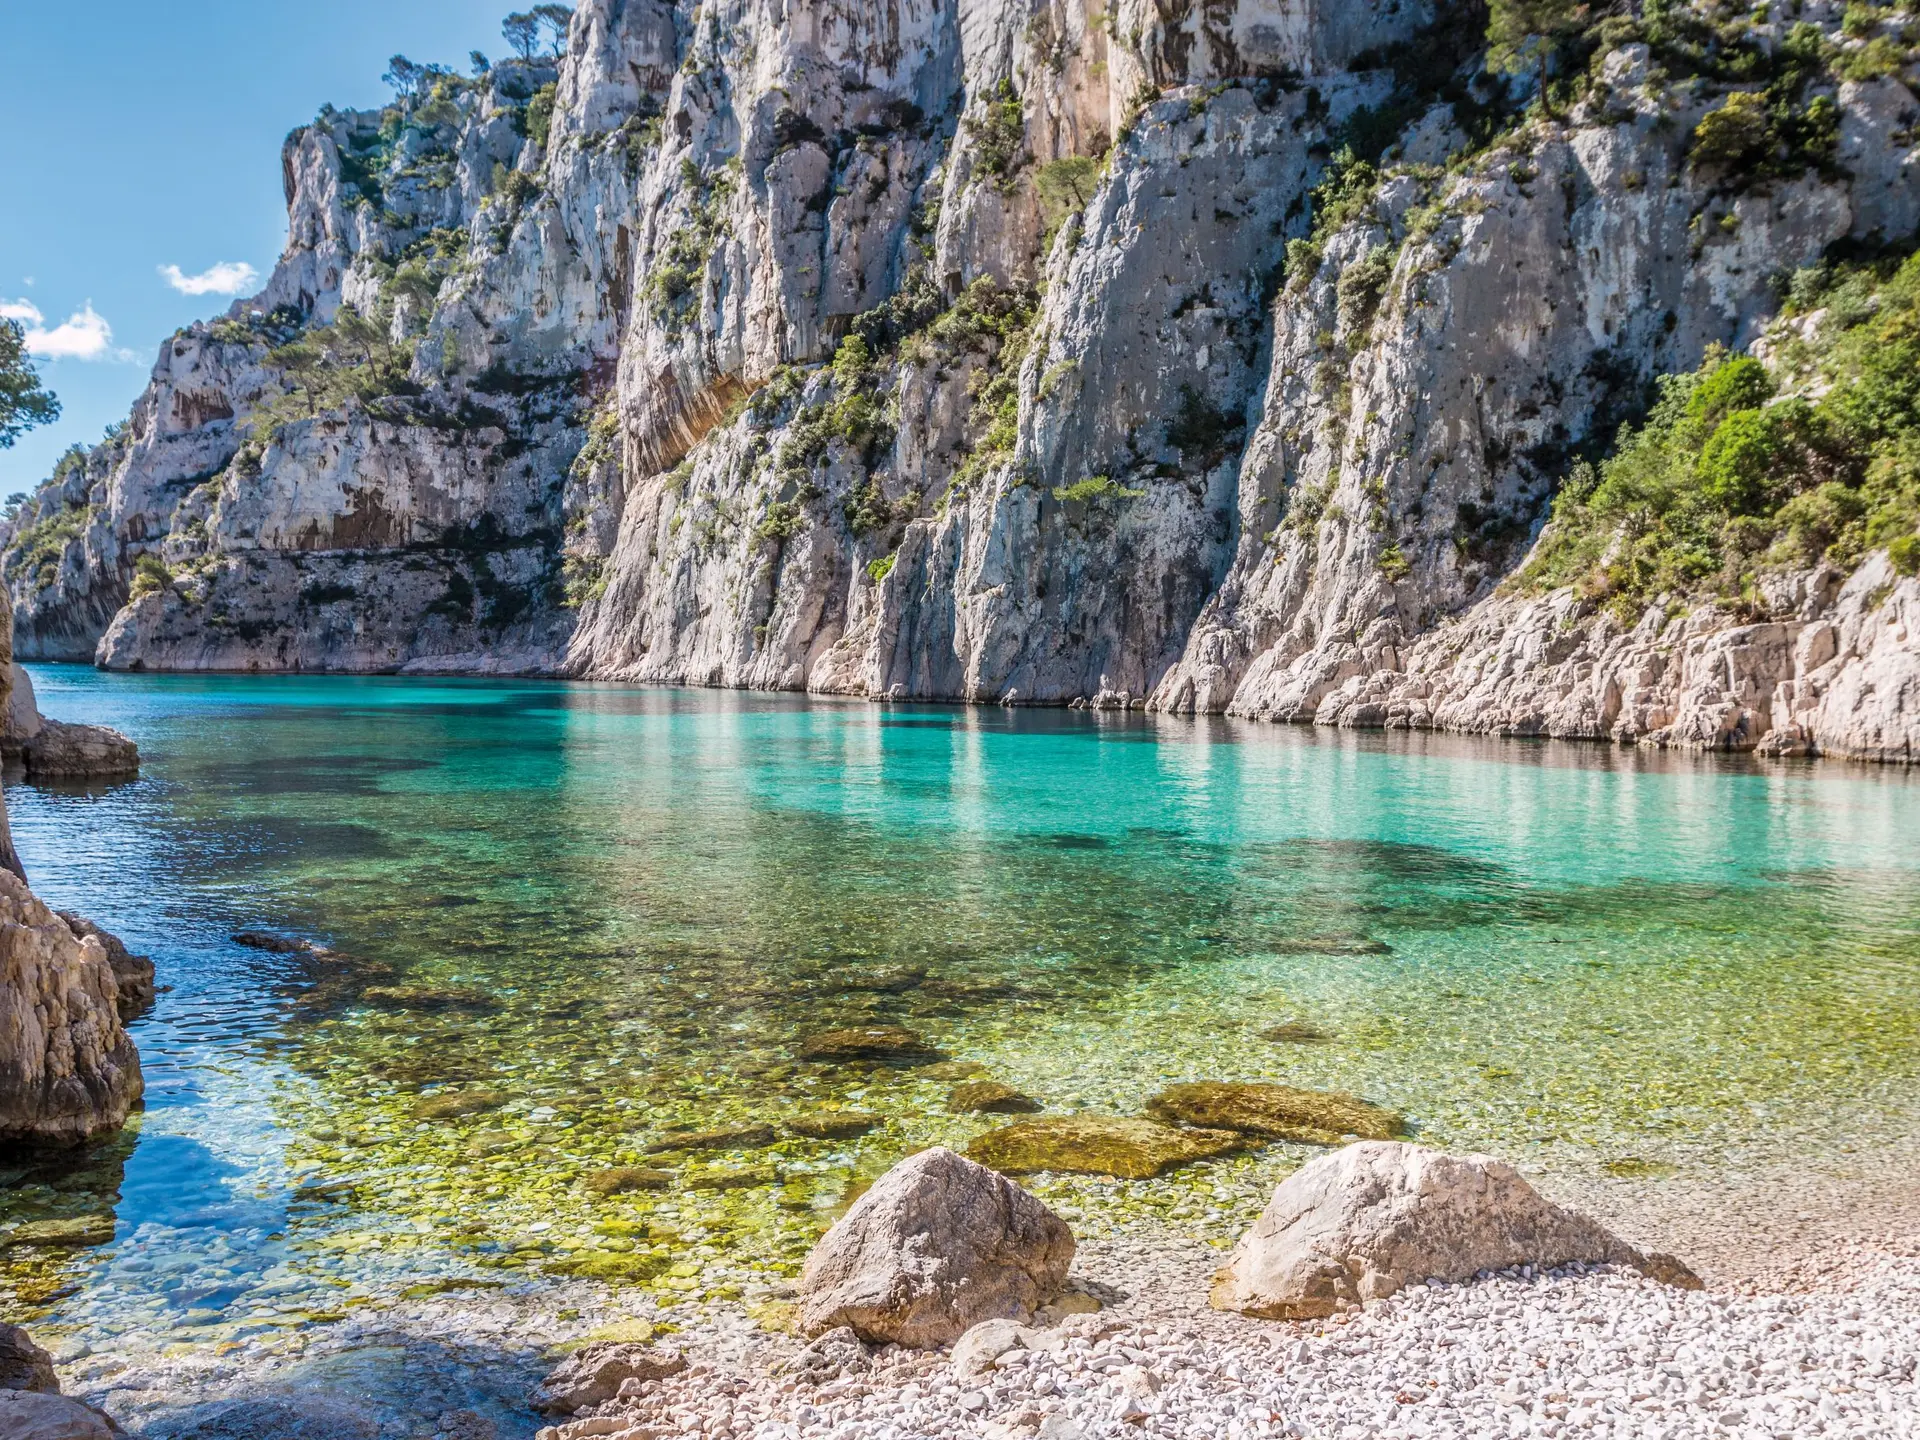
1371 1219
1167 470
938 1245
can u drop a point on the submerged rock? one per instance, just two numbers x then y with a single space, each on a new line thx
74 1232
68 1071
1368 1220
596 1373
1296 1032
893 1044
429 997
453 1104
936 1246
1278 1112
990 1097
23 1364
627 1178
727 1137
276 944
270 1419
1342 944
744 1177
133 973
834 1124
1128 1148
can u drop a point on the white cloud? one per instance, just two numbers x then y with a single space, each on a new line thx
25 311
229 277
84 335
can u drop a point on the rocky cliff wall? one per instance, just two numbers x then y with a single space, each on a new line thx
1222 358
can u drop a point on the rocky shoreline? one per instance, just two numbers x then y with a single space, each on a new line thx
1802 1333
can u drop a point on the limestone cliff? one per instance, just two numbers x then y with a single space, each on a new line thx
1218 358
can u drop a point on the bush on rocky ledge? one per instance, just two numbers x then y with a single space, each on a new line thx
1748 464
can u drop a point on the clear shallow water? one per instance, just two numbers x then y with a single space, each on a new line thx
604 914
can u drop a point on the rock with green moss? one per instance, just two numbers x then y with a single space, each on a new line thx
626 1178
1276 1112
834 1124
889 1044
990 1097
743 1177
430 997
456 1104
1296 1032
726 1137
1122 1146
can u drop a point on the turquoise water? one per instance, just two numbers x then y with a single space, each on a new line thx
602 914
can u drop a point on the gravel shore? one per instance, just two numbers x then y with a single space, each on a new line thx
1812 1328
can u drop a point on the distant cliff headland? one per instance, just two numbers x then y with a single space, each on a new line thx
1369 365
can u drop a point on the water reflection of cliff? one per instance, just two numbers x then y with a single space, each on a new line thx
56 1212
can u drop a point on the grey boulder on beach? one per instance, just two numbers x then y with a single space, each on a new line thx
936 1246
1368 1220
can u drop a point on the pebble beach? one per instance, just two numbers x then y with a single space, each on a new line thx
1809 1328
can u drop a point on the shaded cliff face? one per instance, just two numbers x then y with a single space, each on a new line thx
1225 356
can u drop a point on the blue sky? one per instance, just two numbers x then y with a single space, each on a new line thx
144 135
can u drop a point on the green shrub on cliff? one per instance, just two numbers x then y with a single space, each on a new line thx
1742 467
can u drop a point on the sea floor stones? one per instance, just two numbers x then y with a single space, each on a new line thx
1276 1112
936 1246
1131 1149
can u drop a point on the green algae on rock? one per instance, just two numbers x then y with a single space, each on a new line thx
737 1178
455 1104
1296 1032
76 1232
990 1097
834 1124
1124 1147
1277 1112
727 1137
626 1178
429 997
893 1044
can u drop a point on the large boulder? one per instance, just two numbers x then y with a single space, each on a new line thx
34 1415
64 751
56 749
936 1246
596 1373
23 1364
133 973
68 1071
1365 1221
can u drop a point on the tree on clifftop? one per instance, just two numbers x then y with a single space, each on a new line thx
23 403
556 18
522 32
1520 32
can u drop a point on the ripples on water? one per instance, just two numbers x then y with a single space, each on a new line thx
602 915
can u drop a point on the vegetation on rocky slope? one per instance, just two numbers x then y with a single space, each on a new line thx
1745 465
